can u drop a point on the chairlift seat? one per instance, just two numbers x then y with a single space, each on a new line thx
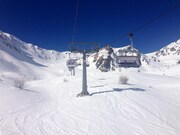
71 63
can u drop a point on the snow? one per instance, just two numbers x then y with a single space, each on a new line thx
126 51
170 50
149 104
50 105
104 53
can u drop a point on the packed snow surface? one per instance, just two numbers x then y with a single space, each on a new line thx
148 104
47 102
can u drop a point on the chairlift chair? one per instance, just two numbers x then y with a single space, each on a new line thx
71 63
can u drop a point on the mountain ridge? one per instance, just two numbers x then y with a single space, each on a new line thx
9 42
22 50
170 49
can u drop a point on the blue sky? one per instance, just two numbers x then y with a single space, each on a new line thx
49 23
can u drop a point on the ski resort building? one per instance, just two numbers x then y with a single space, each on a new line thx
128 57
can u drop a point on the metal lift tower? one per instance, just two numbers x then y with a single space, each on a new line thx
84 51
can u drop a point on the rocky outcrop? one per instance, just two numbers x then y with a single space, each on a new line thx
104 59
169 50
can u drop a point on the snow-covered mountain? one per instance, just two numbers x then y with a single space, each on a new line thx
126 51
107 57
24 59
47 103
15 46
169 54
104 60
169 50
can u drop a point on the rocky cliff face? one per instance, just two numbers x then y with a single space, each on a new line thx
104 59
107 58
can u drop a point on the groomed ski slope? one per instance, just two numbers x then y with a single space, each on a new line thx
148 105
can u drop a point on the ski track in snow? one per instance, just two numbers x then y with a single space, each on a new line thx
55 109
47 105
159 115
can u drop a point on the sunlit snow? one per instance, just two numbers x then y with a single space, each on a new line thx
149 104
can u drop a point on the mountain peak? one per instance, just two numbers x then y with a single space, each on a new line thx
169 50
7 36
15 46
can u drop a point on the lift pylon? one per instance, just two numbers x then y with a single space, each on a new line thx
84 51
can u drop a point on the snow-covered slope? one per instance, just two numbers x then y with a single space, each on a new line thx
47 104
169 54
24 59
167 58
171 49
15 46
126 51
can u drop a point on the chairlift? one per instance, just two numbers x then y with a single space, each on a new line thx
71 63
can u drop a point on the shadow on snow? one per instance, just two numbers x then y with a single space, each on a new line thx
117 90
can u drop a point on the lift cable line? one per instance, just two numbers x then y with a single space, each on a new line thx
148 22
75 20
84 51
155 18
